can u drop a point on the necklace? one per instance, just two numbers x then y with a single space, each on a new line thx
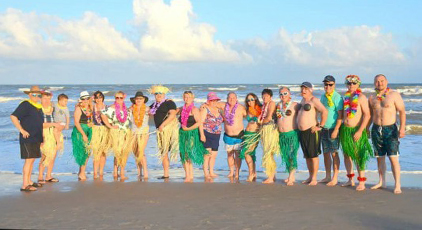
155 106
351 103
138 114
381 96
118 114
185 114
229 115
281 112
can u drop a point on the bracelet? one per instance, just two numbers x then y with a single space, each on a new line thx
362 179
351 175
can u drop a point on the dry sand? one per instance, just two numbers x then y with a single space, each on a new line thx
174 205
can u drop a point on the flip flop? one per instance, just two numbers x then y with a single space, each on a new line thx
52 180
28 189
36 185
41 181
163 177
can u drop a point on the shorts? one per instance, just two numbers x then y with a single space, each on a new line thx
30 150
310 143
233 143
385 140
329 145
212 141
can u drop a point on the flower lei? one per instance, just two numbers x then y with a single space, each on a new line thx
264 111
229 116
118 114
381 96
351 103
155 106
281 112
88 113
255 111
97 116
139 116
329 97
185 114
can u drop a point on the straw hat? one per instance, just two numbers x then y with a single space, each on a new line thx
158 89
34 89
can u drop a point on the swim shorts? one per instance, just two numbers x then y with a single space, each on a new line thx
310 143
212 141
233 143
30 150
329 145
385 140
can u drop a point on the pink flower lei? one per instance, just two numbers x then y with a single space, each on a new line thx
155 106
118 114
229 116
185 114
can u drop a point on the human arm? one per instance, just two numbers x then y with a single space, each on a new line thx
398 102
202 116
197 116
77 117
171 115
366 116
271 110
17 124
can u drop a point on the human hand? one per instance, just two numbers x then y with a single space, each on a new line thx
334 134
25 134
357 136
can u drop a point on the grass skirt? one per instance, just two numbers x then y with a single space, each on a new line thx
121 145
361 151
80 148
49 146
269 141
190 147
249 144
168 140
100 144
138 142
289 145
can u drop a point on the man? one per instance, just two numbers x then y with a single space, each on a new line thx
384 105
28 119
309 130
164 113
353 136
286 112
233 132
333 102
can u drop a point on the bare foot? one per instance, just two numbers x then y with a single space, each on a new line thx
361 187
306 181
268 181
332 183
230 174
313 183
250 178
325 180
187 180
397 190
213 175
379 185
290 182
348 183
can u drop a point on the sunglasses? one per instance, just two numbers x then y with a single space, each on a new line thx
98 97
158 93
284 94
352 83
36 95
121 98
84 99
248 100
328 85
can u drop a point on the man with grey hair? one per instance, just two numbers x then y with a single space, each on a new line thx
384 105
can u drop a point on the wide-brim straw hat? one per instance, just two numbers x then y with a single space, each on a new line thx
34 89
158 89
139 94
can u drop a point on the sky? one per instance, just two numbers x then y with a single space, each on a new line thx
209 42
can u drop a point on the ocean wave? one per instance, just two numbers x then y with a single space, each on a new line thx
55 88
223 88
413 112
23 89
411 91
414 129
412 100
6 99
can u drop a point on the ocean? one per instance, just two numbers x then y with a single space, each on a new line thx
12 95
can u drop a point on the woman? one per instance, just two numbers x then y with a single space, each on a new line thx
191 149
210 130
140 130
100 136
48 148
82 133
118 117
251 137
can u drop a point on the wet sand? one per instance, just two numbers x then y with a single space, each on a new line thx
174 205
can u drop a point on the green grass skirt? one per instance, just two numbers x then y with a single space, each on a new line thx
249 144
289 145
80 148
360 151
190 147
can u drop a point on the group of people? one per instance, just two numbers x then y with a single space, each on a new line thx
193 133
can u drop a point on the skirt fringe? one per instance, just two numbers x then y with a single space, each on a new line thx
190 147
81 149
100 142
249 144
121 145
359 151
168 141
269 141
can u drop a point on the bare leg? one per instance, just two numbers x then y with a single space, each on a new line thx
327 164
361 185
309 165
230 162
336 168
395 167
81 174
26 173
30 174
166 165
115 168
122 172
250 164
41 169
291 180
57 134
144 159
96 165
50 168
382 168
314 171
212 163
238 163
207 159
349 168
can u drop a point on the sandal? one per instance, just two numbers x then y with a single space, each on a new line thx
28 188
163 177
52 180
36 185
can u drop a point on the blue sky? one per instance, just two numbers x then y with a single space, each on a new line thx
182 41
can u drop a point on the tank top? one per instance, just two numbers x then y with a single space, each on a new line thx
83 119
48 118
212 123
97 116
191 121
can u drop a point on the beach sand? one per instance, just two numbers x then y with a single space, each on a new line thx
136 204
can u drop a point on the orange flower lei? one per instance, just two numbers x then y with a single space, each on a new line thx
255 111
139 116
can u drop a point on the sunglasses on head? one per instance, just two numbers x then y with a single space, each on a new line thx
352 83
186 92
284 94
121 98
248 100
36 95
328 84
158 93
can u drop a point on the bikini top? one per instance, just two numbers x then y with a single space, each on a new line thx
305 107
250 119
191 121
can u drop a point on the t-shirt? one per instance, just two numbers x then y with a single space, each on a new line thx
31 120
60 114
110 112
162 112
332 111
